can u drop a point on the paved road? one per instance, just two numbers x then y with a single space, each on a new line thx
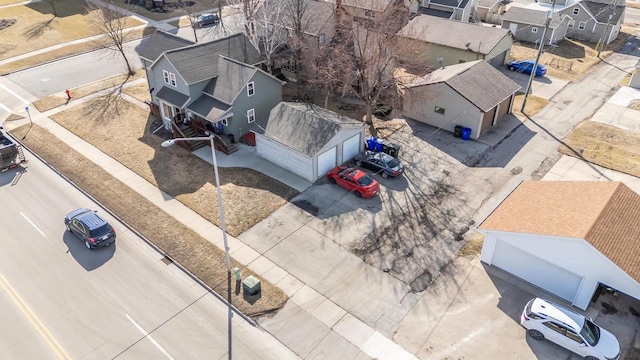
631 16
57 76
67 302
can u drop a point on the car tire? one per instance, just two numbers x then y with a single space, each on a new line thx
357 193
384 175
512 68
86 243
358 163
332 180
536 335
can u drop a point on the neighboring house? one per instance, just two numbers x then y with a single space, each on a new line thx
369 9
594 20
459 10
489 11
439 42
570 238
528 25
309 140
473 95
211 86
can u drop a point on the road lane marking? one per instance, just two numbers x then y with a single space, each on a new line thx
32 224
5 108
146 334
33 319
14 94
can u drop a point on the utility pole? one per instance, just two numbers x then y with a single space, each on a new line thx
606 29
535 64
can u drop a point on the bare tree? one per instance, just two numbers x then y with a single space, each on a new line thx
270 31
364 56
297 21
111 20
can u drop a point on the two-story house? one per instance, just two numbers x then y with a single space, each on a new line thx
213 86
527 24
438 42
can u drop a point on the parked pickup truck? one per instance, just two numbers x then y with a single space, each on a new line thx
11 154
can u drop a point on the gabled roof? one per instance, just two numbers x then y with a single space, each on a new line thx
232 77
198 62
602 10
454 34
477 81
305 127
528 16
160 42
605 214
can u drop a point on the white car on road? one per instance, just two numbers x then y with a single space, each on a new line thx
546 320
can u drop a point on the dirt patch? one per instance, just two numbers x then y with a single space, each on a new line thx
114 82
473 245
122 130
604 145
533 106
180 243
568 59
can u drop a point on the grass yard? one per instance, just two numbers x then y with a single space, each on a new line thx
569 59
180 243
121 130
604 145
139 91
53 101
37 28
534 104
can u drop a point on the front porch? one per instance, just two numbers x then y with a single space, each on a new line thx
198 127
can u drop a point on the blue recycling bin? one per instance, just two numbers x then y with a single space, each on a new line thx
371 142
466 133
379 145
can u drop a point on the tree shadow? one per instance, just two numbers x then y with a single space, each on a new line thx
38 29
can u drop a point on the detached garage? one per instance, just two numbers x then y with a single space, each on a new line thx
568 238
309 140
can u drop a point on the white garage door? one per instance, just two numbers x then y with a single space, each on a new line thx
350 147
326 161
537 271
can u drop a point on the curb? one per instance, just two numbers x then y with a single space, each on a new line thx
130 228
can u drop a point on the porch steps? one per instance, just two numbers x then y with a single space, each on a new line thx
225 145
188 132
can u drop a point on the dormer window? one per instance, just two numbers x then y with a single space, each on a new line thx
251 89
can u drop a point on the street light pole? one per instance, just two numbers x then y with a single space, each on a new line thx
223 224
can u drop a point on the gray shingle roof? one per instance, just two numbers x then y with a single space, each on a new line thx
477 81
454 34
172 96
602 10
208 107
305 127
199 62
232 77
528 16
160 42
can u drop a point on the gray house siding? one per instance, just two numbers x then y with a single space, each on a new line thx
158 78
593 31
499 55
533 33
268 93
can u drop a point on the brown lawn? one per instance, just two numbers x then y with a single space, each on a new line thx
533 106
604 145
181 244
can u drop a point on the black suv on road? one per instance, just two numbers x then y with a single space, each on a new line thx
90 228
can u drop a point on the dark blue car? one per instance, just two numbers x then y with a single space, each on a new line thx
525 67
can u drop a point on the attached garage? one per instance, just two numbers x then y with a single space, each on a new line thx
567 238
309 140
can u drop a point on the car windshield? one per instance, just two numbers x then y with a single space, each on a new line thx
365 180
102 230
590 332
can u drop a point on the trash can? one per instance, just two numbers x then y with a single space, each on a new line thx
466 133
457 132
371 143
379 145
391 149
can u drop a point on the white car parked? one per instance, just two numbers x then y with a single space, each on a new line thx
546 320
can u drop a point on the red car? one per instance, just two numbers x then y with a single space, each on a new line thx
354 180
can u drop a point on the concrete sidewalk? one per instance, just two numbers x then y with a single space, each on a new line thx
311 325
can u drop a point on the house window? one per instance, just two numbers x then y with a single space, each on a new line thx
251 89
571 24
321 38
167 110
576 11
169 78
582 25
225 122
439 110
251 115
172 79
534 29
165 74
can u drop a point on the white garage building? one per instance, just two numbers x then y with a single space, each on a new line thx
568 238
309 140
